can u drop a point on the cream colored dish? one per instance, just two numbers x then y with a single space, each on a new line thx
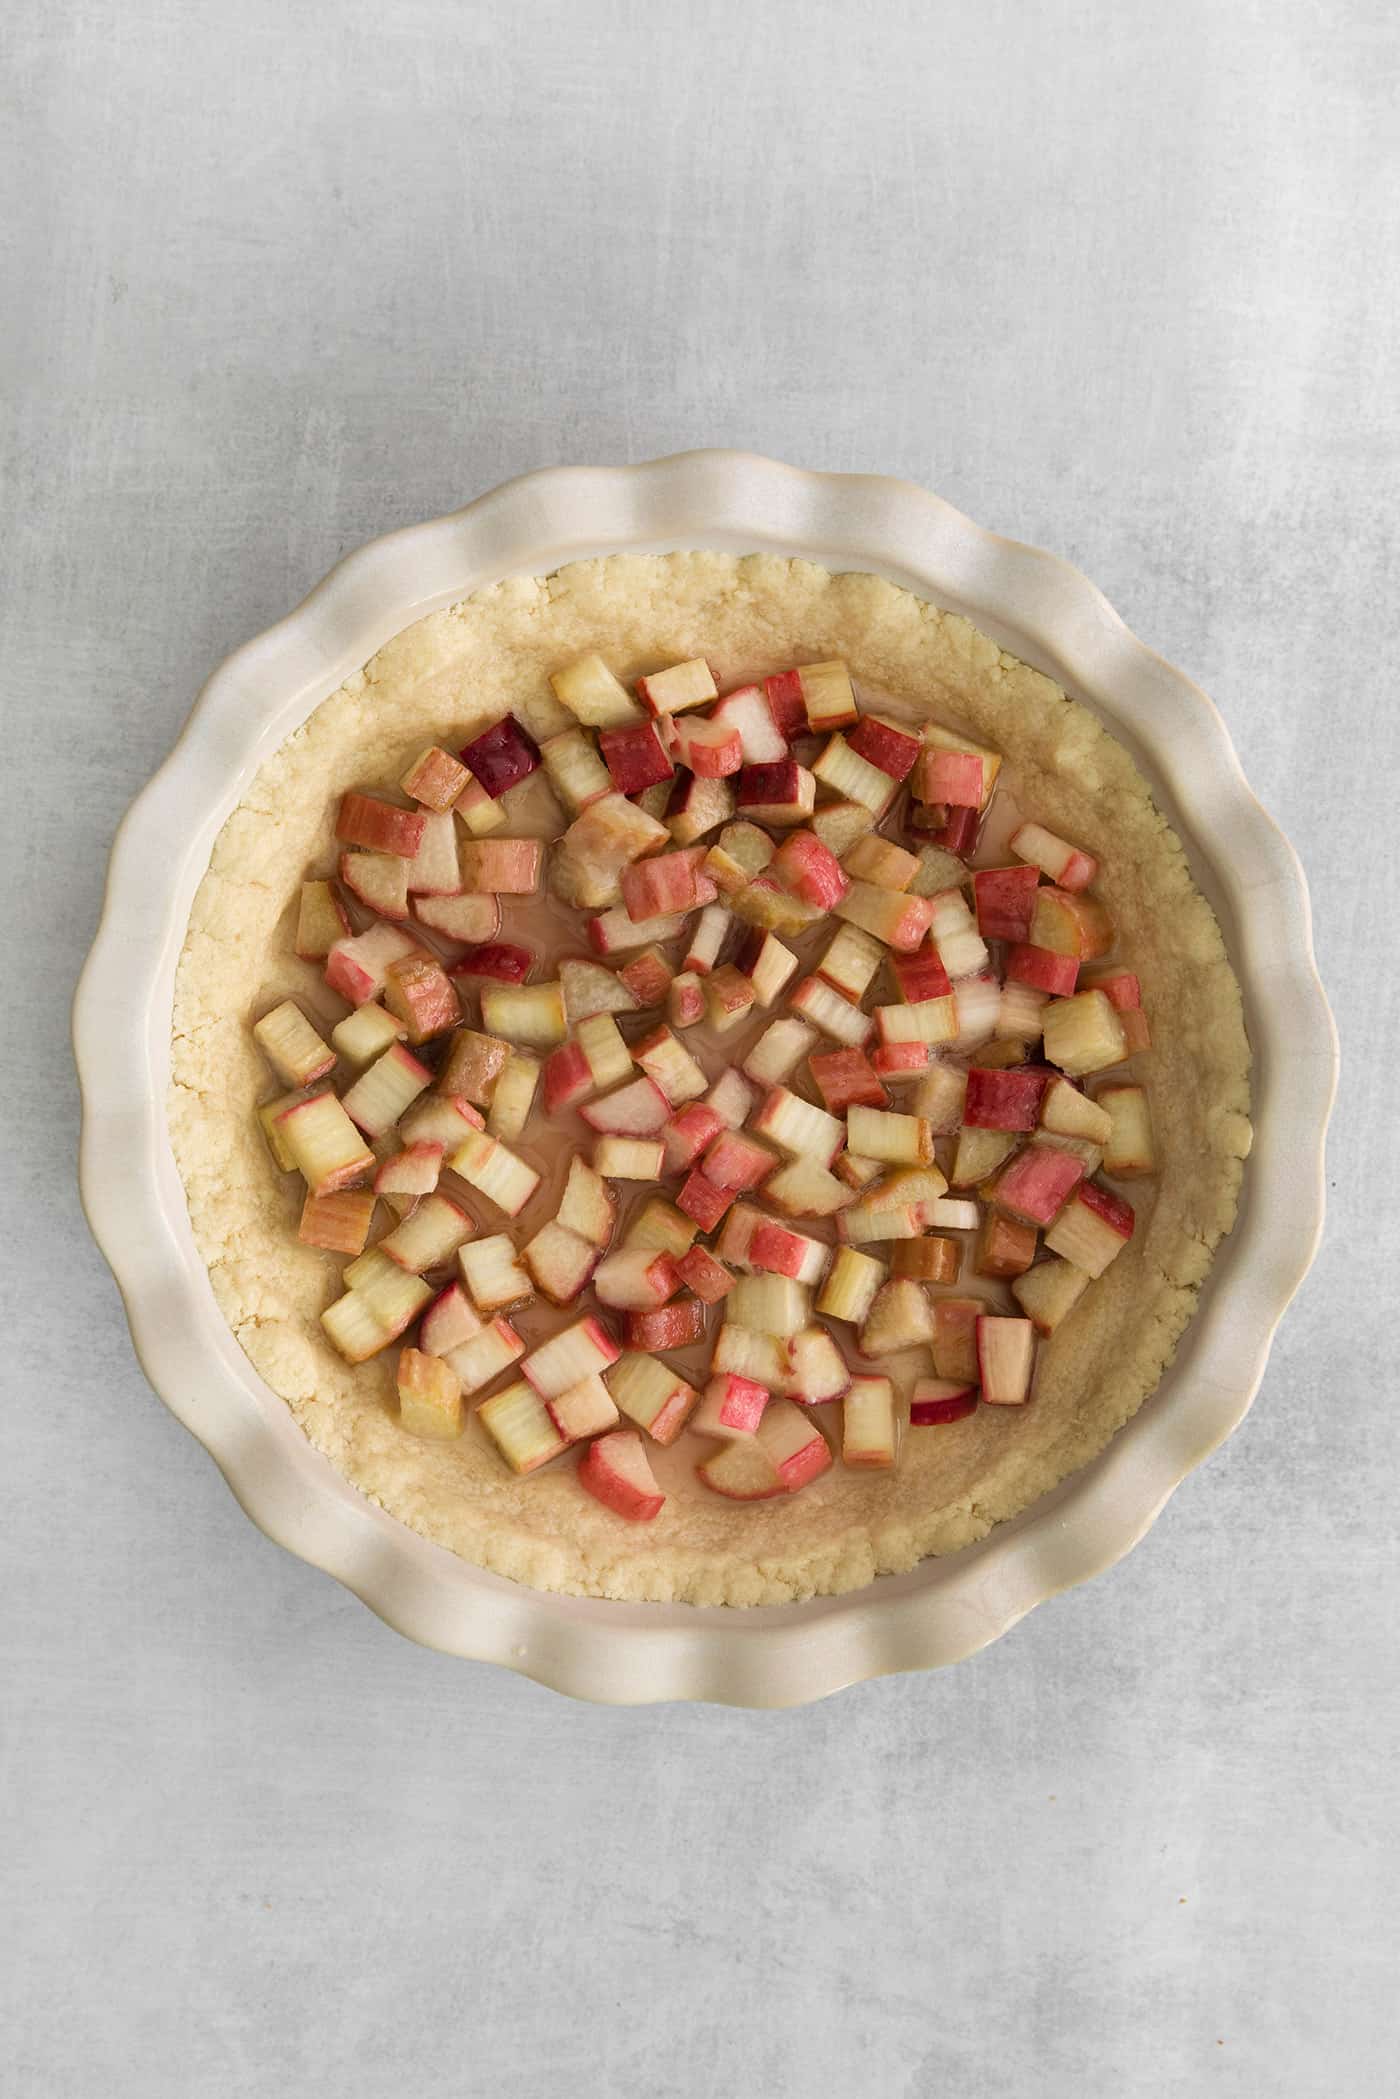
941 1607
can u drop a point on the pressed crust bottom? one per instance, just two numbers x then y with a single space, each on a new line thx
452 673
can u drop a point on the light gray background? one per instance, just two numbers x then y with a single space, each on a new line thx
1117 279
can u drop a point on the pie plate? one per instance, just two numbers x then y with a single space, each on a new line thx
624 1653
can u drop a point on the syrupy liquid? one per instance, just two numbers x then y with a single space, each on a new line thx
553 931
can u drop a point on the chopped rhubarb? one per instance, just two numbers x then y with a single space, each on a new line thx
890 750
703 1201
615 1471
501 756
1005 898
672 1326
321 920
380 827
1004 1100
701 1273
635 757
435 778
499 961
688 684
339 1222
937 1401
844 1078
810 870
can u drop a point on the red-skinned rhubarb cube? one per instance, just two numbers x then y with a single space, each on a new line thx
418 992
635 757
782 793
687 1134
1064 864
738 1162
615 1470
803 865
499 961
501 756
502 866
703 1202
435 778
702 1273
1038 1183
567 1078
1118 985
952 830
639 1109
1042 970
844 1077
1004 1100
1005 898
671 883
880 744
936 1401
380 827
954 777
712 749
679 1325
920 977
747 710
1092 1229
647 977
783 693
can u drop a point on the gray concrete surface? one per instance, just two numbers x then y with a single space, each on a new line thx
1118 279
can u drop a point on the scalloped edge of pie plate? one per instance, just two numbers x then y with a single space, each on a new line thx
623 1653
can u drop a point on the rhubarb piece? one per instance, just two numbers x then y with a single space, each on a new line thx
492 1274
831 1013
1005 1246
937 871
763 904
1118 984
380 827
770 1304
955 1337
1064 864
366 1034
588 1205
850 962
687 1135
940 1097
560 1261
1003 1100
472 919
1092 1229
782 793
518 1423
737 1162
490 1167
778 1051
952 1214
430 1396
1136 1033
822 695
869 1425
321 921
356 968
1005 899
937 739
1070 925
669 1063
495 962
900 1317
661 1225
881 862
576 772
448 1322
712 749
502 866
1084 1033
1129 1151
952 776
324 1145
640 1109
900 921
577 1352
636 1280
908 1033
731 1098
338 1222
476 811
486 1355
799 1128
292 1046
593 695
615 1471
598 1058
731 1406
500 757
890 749
844 1078
904 1140
729 998
978 1002
867 1222
1005 1360
701 1273
440 1119
752 848
851 1287
590 987
1049 1292
747 710
766 963
635 757
817 1370
937 1401
652 1395
586 1409
472 1066
954 936
531 1015
685 1001
741 1470
803 865
672 1326
931 1260
1019 1018
428 1236
614 932
742 1352
608 836
707 939
1037 1184
694 807
381 1095
978 1154
781 1251
1001 1056
841 825
410 1173
435 778
434 869
794 1444
353 1330
514 1097
703 1201
802 1188
689 684
629 1158
418 991
647 978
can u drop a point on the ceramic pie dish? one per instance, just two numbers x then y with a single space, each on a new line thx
1031 605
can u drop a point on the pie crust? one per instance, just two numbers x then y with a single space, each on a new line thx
448 676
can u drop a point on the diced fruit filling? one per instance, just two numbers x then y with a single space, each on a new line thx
795 1018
